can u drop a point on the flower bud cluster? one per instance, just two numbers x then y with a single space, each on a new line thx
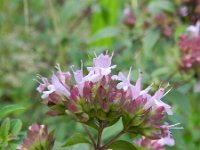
129 18
189 46
164 23
189 10
100 97
37 138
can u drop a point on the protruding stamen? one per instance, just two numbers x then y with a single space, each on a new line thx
37 80
167 92
81 66
112 55
173 126
176 128
129 73
95 54
58 67
72 68
106 52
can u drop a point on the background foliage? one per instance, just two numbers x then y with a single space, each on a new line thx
35 35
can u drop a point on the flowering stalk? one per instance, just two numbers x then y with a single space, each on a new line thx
99 99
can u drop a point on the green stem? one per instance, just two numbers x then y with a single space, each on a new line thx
53 15
26 15
89 135
112 140
100 131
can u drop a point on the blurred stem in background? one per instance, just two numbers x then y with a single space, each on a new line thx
26 15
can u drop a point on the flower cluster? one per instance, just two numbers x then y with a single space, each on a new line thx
38 138
189 10
164 24
189 48
100 97
157 144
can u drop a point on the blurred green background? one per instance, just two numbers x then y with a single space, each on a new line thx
35 35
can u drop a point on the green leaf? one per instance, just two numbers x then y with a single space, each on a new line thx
112 130
16 126
59 108
106 32
76 139
5 127
12 146
58 146
122 145
7 110
160 5
180 99
150 39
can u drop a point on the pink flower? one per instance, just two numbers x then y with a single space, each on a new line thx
51 89
102 66
136 89
190 52
158 144
100 96
166 139
155 101
125 82
194 29
63 76
152 101
80 79
58 84
42 84
59 87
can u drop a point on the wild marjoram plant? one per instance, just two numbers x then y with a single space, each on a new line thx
100 99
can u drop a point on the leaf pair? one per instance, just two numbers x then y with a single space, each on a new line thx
78 138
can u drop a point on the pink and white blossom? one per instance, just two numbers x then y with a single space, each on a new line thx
194 29
104 97
102 65
125 81
43 84
155 101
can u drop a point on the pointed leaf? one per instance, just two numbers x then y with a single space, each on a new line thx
5 127
122 145
7 110
16 126
106 32
160 5
150 39
76 139
112 130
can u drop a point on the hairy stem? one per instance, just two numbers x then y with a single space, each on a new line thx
89 135
100 131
